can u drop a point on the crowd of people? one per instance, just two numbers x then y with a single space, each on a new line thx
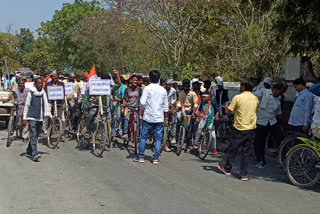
256 111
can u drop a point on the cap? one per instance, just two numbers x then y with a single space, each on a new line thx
268 80
169 82
53 72
220 83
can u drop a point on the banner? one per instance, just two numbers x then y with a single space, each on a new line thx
55 93
99 87
68 88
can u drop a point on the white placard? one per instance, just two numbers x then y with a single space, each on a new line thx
68 88
99 87
29 85
55 93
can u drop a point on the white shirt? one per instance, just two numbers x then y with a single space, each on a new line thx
172 95
154 100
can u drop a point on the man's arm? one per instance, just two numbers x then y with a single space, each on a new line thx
230 108
308 104
116 72
144 98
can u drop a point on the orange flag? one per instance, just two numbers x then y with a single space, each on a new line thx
93 72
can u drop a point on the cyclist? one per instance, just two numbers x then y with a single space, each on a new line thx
130 103
205 118
188 102
60 103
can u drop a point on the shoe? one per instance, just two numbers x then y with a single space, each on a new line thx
223 169
107 149
37 157
125 137
28 156
195 147
25 141
155 162
139 160
173 141
167 149
63 138
214 152
244 178
260 164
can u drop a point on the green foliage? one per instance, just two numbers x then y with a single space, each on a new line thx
8 46
26 40
61 29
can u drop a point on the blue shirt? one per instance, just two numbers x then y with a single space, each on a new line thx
301 112
270 112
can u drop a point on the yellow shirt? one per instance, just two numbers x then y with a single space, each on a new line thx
190 100
245 108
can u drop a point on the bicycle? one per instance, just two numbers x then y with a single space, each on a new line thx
182 129
55 129
289 142
303 163
101 134
133 130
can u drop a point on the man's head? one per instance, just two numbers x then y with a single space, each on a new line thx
175 85
54 77
21 84
105 76
284 84
18 76
78 78
205 97
135 80
71 77
246 85
186 86
267 82
220 85
169 84
146 81
277 89
299 84
255 81
38 83
154 76
207 84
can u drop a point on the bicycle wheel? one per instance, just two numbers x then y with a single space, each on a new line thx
68 122
180 140
285 146
303 166
100 138
10 130
109 131
54 133
205 145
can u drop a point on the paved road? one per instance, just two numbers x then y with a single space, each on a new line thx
71 181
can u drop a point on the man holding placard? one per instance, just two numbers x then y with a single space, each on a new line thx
55 97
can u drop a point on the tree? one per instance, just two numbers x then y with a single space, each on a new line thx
26 40
8 46
40 59
299 20
61 28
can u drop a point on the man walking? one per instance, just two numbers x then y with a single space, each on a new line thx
154 101
36 108
245 107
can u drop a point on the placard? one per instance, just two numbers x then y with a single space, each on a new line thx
68 88
29 85
55 93
99 87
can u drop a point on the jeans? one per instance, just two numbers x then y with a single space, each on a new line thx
297 129
157 129
127 118
260 139
34 131
92 118
241 139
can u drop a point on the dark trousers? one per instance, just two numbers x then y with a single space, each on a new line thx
261 136
242 139
34 131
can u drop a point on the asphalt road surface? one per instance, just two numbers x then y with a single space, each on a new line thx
67 180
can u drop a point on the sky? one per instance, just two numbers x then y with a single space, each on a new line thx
27 13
